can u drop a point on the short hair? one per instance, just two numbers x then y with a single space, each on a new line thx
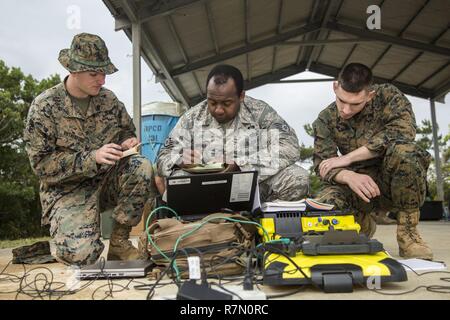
355 77
223 72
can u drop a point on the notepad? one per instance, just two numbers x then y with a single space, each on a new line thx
301 205
422 265
205 168
131 151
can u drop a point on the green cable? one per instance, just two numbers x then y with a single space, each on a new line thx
281 240
185 235
150 238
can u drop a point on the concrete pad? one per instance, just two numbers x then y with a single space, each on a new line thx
436 233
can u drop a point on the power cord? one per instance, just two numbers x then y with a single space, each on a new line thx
429 288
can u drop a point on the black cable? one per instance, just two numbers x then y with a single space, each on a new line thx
42 285
284 254
110 284
152 288
227 290
283 295
429 288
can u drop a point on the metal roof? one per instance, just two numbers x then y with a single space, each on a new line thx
269 40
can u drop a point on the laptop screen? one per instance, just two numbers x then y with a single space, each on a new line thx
198 195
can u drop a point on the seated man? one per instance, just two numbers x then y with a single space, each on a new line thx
75 135
245 133
380 166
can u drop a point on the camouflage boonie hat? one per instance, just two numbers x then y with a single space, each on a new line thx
88 52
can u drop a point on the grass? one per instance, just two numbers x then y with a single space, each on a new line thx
4 244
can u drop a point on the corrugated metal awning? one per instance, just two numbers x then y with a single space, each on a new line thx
269 40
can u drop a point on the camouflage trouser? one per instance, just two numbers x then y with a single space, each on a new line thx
290 184
401 177
75 218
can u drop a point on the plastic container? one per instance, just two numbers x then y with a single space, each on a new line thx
158 120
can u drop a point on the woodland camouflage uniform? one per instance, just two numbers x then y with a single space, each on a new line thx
61 143
387 127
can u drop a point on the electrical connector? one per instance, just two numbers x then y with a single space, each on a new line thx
243 294
190 290
248 283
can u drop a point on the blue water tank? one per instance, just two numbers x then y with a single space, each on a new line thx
158 120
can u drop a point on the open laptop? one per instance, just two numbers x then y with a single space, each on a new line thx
197 195
115 269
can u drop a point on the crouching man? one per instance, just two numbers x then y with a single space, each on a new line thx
245 133
373 127
75 136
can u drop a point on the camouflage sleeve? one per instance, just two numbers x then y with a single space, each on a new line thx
128 130
324 147
284 143
171 153
399 119
50 163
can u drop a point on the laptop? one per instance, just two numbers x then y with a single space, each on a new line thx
115 269
197 195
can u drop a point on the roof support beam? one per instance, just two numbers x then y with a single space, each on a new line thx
157 8
247 36
401 33
349 55
324 42
180 46
168 83
336 15
154 61
433 74
279 31
130 11
426 47
407 89
212 28
442 90
313 52
199 87
121 23
246 49
316 5
417 57
354 47
270 77
247 20
265 79
160 76
302 80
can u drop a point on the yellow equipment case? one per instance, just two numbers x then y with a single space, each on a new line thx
324 249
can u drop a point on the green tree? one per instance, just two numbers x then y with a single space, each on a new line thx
425 139
306 155
19 191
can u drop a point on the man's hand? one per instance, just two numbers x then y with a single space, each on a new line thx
362 184
232 167
190 157
337 162
160 184
108 154
129 143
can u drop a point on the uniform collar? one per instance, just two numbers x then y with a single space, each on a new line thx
71 112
